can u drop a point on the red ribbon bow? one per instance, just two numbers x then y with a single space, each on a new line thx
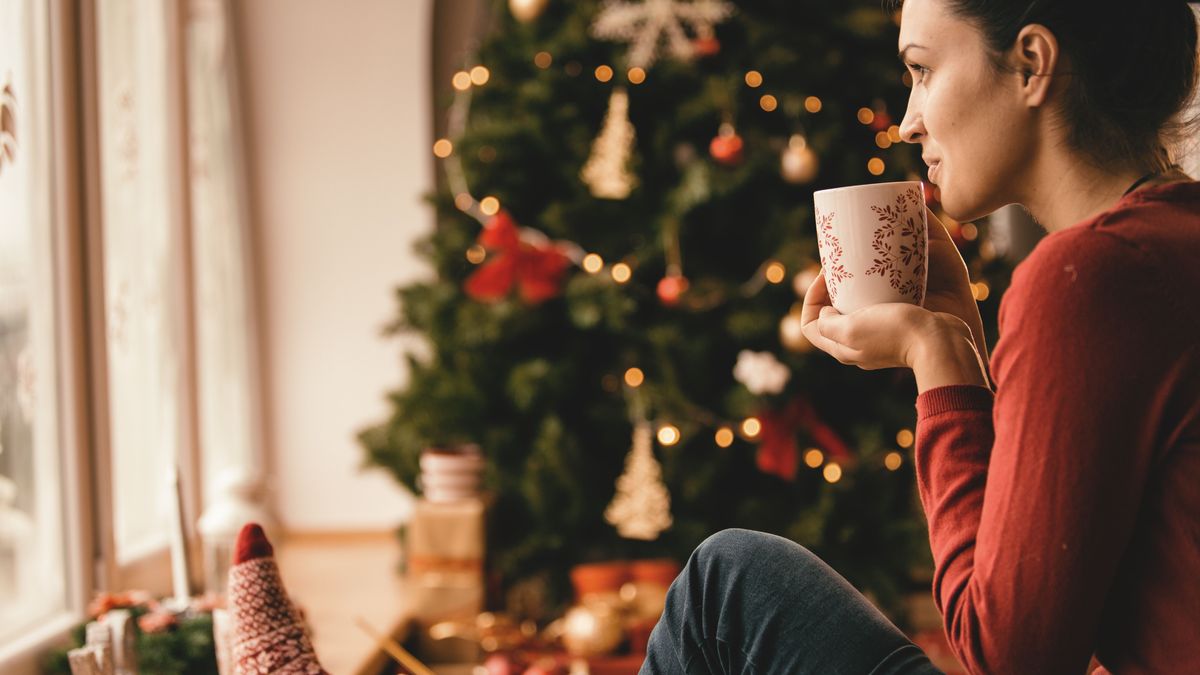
778 453
536 270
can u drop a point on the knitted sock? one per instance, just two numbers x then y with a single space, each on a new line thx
269 634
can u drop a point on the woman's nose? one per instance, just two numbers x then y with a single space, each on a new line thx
912 127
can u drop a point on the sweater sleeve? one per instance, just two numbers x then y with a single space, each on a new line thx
1032 493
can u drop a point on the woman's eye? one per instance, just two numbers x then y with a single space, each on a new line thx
917 70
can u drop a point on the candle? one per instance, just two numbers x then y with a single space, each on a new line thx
179 548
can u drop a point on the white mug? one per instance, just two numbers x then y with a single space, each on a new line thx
873 241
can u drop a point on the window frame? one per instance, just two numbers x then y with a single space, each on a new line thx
22 655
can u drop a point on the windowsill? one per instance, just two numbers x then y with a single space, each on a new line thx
338 578
24 655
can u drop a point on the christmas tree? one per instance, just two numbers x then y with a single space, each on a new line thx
629 216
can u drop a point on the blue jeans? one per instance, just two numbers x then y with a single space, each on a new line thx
750 602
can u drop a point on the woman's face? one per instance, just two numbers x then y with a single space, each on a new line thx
974 134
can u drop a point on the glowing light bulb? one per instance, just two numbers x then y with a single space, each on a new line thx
634 377
832 472
724 437
814 458
751 427
593 263
668 434
893 460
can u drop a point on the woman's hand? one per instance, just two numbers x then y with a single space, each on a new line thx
948 289
886 335
937 346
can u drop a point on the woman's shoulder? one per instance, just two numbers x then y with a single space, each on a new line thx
1152 227
1140 256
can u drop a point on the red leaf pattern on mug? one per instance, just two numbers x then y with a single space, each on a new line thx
894 255
830 250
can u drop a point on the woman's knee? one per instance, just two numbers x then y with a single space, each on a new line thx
742 549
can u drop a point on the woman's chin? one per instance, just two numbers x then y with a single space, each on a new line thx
960 209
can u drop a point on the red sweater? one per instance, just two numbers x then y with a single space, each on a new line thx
1064 510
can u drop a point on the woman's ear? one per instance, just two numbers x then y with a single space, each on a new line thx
1035 55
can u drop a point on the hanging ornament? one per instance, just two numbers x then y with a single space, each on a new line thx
527 10
882 121
606 172
726 148
641 508
645 24
706 43
791 332
671 288
8 125
760 372
535 268
592 629
798 163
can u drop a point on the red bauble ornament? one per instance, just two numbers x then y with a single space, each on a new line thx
671 288
706 46
726 148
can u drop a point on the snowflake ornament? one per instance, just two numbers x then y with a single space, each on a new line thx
761 372
645 24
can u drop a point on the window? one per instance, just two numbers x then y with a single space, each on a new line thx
143 242
33 570
148 236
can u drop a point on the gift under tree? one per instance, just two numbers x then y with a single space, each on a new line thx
625 236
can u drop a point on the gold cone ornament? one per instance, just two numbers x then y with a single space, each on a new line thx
606 172
641 508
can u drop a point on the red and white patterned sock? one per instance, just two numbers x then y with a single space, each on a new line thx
268 633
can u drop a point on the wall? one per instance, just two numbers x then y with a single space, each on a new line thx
336 98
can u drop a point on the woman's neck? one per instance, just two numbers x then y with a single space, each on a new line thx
1066 189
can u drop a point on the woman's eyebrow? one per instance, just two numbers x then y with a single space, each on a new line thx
904 51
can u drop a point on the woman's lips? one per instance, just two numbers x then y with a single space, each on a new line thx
933 171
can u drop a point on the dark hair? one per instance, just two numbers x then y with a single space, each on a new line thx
1121 105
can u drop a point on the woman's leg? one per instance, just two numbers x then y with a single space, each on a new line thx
750 602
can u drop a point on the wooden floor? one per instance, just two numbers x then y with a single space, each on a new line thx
338 578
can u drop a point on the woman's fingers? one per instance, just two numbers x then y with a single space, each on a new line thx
816 305
937 231
816 297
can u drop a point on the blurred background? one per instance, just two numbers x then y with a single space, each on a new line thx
487 309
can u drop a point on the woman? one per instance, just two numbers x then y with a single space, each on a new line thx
1064 505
